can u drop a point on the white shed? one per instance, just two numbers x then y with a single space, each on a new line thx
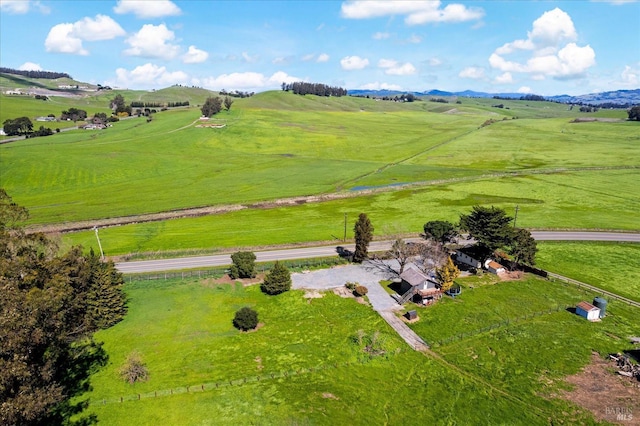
494 267
588 311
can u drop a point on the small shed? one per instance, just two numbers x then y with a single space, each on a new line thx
588 311
494 267
411 315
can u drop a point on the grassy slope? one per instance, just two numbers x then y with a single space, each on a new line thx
184 332
590 262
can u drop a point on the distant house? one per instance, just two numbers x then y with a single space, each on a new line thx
494 267
92 126
468 256
45 119
588 311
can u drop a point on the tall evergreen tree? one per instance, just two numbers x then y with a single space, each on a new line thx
277 281
363 235
489 226
523 247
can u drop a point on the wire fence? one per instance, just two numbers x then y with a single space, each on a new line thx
505 323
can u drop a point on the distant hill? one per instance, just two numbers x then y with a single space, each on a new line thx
630 97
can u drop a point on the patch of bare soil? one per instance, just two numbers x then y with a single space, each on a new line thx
329 395
344 292
511 276
313 294
226 279
608 396
592 119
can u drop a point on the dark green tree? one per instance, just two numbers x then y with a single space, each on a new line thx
74 114
227 103
277 281
245 319
212 106
17 126
523 247
634 113
489 226
46 350
363 235
244 265
440 231
118 104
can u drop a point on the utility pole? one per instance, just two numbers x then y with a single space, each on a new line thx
516 218
95 228
344 239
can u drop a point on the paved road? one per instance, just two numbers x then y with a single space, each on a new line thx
326 251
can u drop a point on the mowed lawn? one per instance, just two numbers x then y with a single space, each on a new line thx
312 370
590 262
556 201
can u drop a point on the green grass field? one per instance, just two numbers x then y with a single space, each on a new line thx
311 371
590 262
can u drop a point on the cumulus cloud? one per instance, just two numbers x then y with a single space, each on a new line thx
524 89
630 76
149 75
194 56
153 41
415 12
351 63
381 36
323 57
147 9
30 66
20 7
68 38
435 62
392 67
380 86
505 78
473 73
248 81
248 58
550 48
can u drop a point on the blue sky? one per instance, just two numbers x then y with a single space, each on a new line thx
542 47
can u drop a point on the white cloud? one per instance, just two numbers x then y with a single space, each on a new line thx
149 75
551 50
248 58
153 41
323 57
380 86
435 62
147 9
351 63
68 38
309 57
414 39
248 81
30 66
194 56
630 76
381 36
473 73
416 12
505 78
524 89
20 7
100 28
392 67
61 40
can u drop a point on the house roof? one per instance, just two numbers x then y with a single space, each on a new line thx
495 265
413 276
586 306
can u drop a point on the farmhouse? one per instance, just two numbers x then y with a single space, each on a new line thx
494 267
588 311
468 256
414 282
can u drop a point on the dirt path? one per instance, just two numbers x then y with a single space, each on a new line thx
284 202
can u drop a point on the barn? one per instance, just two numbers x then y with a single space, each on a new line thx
588 311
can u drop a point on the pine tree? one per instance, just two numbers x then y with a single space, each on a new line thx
363 235
278 280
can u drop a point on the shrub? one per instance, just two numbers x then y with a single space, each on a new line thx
351 286
245 319
360 290
134 369
244 265
277 281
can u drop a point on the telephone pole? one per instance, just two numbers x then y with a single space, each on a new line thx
344 239
95 228
516 218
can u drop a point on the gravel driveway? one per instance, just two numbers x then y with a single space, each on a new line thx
365 274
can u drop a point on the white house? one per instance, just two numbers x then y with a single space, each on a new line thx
466 257
588 311
494 267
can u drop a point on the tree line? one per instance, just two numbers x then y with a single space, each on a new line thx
139 104
50 75
50 307
318 89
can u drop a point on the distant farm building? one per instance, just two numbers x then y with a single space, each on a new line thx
494 267
417 284
588 311
468 256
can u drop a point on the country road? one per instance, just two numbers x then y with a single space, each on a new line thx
327 251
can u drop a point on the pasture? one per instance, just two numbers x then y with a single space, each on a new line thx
304 365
